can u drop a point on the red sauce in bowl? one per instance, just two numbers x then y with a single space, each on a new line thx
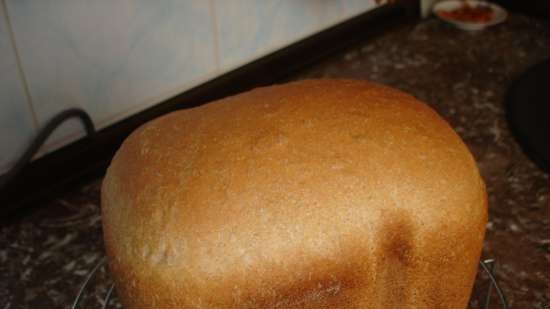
469 13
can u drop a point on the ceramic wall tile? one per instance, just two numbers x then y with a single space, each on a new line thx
116 58
16 122
356 7
249 29
112 58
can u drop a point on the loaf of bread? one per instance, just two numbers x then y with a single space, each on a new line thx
313 194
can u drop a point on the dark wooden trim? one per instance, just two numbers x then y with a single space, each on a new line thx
54 173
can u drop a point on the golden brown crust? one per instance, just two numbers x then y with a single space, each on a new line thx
314 194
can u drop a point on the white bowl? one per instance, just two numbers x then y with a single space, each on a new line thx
499 14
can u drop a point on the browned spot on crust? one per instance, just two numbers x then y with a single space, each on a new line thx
332 288
397 248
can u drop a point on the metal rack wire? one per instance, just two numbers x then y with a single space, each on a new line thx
86 284
488 266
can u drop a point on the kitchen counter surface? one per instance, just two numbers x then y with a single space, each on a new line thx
45 256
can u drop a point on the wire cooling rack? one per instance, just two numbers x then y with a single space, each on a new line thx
98 289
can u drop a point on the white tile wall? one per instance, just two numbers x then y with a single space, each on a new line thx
16 121
112 58
249 29
355 7
116 58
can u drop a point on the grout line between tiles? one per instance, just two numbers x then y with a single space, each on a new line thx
20 66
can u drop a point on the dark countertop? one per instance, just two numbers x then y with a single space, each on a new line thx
45 256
